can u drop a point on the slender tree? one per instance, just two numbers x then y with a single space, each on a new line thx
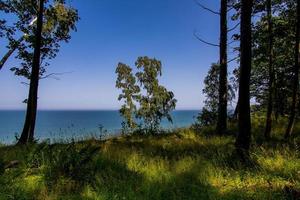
223 87
271 72
295 77
43 24
144 97
244 120
29 126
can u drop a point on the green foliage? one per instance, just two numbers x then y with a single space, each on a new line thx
150 103
283 24
126 81
158 101
208 115
205 118
59 21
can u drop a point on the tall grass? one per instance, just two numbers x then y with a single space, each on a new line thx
179 165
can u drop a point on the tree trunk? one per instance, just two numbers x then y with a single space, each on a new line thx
236 111
292 117
28 129
271 73
244 120
222 107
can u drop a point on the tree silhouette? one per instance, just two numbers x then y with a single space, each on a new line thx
244 119
295 77
223 85
43 25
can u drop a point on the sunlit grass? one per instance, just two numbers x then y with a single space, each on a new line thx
181 165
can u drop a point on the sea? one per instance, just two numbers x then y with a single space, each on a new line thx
61 125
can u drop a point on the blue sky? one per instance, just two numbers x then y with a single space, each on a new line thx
112 31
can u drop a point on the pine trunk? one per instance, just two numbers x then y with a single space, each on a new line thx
271 73
296 78
244 120
222 107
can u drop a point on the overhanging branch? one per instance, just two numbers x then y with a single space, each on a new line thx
205 42
206 8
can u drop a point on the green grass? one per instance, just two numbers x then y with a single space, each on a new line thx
179 165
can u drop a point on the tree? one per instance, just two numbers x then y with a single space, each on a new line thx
126 81
28 130
39 44
209 113
295 77
271 72
223 86
154 101
244 120
58 19
221 127
158 101
281 71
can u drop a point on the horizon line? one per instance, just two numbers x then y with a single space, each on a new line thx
66 109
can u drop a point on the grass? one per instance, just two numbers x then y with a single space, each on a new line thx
179 165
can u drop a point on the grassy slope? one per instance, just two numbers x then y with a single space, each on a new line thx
181 165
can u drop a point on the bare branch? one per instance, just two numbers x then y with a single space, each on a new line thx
233 59
234 48
233 28
233 41
206 8
203 41
24 83
54 75
230 8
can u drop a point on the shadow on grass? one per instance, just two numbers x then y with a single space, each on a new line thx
111 178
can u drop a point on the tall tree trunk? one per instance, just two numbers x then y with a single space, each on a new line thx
244 120
296 78
271 73
222 107
28 129
236 111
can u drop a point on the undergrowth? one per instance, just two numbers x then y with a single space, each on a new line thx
183 164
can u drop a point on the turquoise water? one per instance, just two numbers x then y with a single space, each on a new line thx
57 125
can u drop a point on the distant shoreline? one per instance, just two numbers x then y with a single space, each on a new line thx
79 110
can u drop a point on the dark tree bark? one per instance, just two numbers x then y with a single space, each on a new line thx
222 107
271 73
29 126
244 120
236 111
296 78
